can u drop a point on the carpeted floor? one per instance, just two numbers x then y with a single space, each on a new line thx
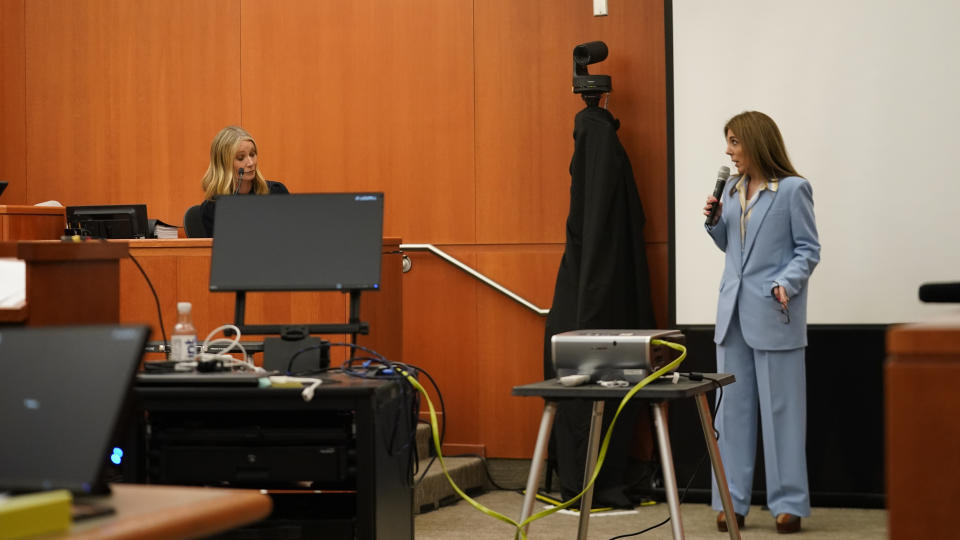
461 520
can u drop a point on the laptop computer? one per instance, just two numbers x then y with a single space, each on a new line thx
3 186
61 394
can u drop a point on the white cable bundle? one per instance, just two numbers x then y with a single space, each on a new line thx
228 360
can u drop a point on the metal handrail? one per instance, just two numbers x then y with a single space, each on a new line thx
452 260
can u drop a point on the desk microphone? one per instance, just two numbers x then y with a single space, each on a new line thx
722 176
240 179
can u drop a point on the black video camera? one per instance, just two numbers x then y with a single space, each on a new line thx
584 55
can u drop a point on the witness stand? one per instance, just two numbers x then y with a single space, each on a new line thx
655 394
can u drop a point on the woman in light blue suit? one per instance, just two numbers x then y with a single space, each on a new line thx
765 225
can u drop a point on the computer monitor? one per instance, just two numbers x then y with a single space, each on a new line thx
301 242
109 221
62 394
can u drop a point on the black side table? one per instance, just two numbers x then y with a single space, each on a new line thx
655 393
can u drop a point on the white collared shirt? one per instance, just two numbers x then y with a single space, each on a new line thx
746 205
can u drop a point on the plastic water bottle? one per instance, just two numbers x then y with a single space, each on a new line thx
183 341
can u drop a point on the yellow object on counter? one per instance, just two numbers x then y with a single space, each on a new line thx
22 516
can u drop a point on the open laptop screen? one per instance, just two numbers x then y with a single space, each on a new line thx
61 393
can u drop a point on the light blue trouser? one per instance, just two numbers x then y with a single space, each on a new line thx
776 380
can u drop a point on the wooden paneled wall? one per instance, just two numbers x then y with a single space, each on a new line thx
460 111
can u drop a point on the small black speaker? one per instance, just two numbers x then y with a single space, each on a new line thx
297 355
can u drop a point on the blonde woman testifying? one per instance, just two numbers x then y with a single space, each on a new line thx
233 170
765 225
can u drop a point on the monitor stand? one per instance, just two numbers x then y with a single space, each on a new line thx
296 350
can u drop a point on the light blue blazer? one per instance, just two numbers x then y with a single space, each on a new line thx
781 247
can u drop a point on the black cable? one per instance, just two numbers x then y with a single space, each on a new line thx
682 497
443 423
716 409
163 331
443 420
391 370
486 470
443 407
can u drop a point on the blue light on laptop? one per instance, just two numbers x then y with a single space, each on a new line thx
117 456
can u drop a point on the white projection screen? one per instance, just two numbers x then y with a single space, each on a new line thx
867 96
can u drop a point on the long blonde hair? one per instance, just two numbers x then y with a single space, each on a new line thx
219 178
762 142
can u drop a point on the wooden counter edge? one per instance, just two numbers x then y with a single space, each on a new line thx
23 209
923 339
55 250
152 243
230 508
14 314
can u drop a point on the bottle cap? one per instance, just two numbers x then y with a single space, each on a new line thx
183 307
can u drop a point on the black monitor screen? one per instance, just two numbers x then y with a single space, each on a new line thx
62 394
109 221
302 242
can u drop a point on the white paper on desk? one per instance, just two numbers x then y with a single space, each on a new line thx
13 283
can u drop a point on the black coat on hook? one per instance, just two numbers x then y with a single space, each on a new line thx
603 283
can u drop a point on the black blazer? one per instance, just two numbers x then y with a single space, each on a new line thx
208 208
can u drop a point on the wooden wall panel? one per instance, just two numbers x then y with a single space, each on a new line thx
124 97
440 334
658 259
525 110
367 95
12 98
510 345
459 110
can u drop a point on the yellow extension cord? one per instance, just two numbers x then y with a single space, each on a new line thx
603 447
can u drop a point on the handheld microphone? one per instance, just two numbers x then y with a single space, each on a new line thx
240 179
722 176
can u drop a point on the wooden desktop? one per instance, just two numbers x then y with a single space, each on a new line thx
147 512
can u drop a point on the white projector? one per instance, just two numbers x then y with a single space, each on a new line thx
612 354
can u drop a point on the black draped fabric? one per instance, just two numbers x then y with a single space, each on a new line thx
603 282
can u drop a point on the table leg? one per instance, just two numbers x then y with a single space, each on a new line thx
669 475
536 465
706 422
593 444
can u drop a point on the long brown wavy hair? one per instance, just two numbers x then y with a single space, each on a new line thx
762 143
